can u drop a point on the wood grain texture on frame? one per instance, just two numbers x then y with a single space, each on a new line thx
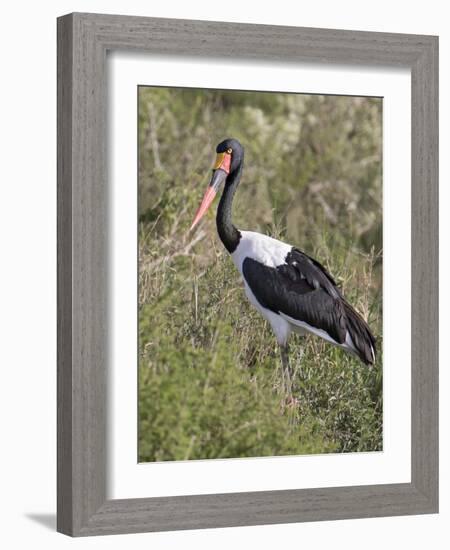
83 41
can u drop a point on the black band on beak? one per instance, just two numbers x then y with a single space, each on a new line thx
219 176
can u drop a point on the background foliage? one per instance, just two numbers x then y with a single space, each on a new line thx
210 379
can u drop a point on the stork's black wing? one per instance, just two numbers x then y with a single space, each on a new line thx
304 290
298 264
300 289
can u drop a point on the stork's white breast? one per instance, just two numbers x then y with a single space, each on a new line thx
261 248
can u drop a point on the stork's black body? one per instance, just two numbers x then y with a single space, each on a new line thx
305 292
292 291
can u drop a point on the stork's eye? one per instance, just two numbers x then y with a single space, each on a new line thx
229 150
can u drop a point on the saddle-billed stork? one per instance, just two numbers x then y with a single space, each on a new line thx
291 290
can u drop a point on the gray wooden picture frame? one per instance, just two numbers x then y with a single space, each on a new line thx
83 42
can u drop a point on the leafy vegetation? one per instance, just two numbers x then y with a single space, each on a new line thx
210 377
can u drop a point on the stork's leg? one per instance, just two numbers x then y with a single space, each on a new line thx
287 370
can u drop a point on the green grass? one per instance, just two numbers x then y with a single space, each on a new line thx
210 378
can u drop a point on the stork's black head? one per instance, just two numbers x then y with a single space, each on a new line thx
232 147
230 155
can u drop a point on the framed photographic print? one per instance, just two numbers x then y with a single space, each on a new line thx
247 274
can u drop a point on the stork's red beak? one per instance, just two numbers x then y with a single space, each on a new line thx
220 172
208 197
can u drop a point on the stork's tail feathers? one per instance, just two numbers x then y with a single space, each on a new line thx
361 337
